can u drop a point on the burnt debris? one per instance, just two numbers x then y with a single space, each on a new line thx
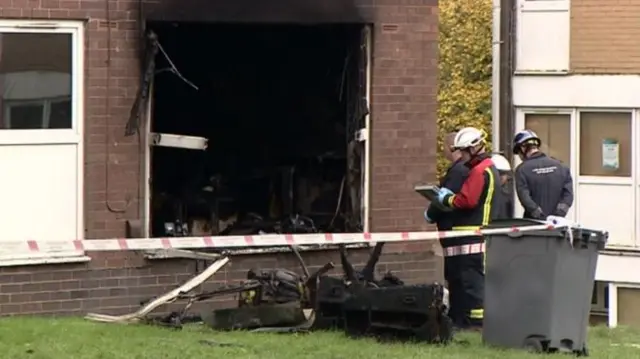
282 301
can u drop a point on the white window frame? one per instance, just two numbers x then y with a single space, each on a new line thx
366 166
596 180
544 5
613 314
74 135
547 6
605 179
635 168
521 114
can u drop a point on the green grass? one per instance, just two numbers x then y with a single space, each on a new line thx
45 338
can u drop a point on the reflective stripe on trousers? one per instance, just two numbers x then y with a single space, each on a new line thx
464 249
477 314
467 248
474 314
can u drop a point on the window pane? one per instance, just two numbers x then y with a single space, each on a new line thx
60 114
605 144
555 134
35 69
27 116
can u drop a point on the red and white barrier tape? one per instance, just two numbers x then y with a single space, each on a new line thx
267 240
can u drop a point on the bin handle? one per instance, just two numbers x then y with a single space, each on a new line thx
515 234
409 300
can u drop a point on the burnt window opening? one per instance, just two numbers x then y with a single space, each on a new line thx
280 106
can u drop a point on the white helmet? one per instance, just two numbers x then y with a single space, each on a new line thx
468 137
501 163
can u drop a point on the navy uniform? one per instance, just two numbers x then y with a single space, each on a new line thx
543 184
504 169
453 179
544 187
506 207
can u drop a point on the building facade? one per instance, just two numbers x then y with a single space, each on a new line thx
71 173
577 69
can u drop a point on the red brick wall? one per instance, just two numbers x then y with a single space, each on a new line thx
403 154
73 289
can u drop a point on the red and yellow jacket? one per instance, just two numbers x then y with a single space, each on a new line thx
478 202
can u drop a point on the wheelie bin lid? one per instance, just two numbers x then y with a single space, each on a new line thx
583 234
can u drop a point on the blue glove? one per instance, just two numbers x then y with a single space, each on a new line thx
443 193
426 216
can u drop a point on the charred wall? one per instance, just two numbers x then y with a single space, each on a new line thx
251 11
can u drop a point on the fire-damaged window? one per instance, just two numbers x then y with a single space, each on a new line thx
255 128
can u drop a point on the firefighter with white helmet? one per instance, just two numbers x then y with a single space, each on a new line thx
504 169
502 165
474 206
544 185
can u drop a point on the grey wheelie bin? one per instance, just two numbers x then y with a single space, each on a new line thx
538 287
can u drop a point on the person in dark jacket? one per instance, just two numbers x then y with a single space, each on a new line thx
544 185
453 179
504 169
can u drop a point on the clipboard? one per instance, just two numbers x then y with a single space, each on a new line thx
430 192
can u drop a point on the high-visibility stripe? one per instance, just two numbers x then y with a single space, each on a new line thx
477 314
486 210
484 262
486 216
464 249
465 228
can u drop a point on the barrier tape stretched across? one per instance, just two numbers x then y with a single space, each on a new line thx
266 240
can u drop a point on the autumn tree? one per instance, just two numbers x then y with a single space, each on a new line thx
464 93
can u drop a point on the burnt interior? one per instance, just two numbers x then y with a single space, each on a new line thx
280 106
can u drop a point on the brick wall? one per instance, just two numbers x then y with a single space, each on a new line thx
605 37
73 289
404 109
403 148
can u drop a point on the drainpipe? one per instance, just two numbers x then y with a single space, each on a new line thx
507 35
495 77
507 66
366 193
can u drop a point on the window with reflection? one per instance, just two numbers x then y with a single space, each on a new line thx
35 81
605 144
554 131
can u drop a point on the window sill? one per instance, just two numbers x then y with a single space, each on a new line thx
166 254
545 6
43 260
541 73
614 250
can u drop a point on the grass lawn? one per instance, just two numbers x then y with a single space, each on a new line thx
44 338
